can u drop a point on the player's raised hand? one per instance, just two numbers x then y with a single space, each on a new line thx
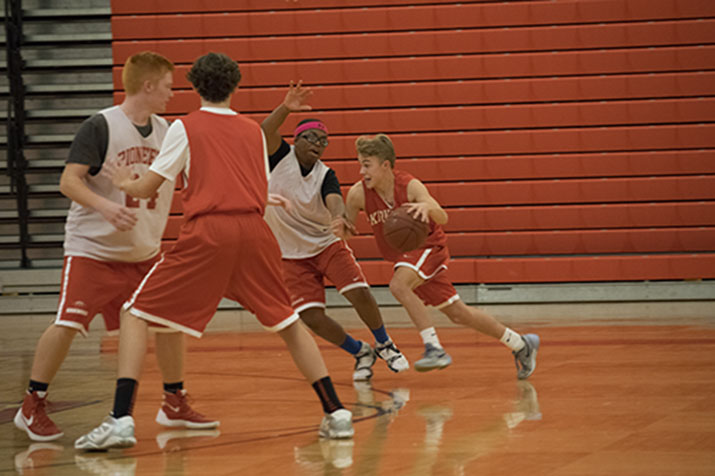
277 200
296 97
120 216
342 228
418 210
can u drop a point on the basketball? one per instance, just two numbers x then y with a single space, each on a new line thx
403 232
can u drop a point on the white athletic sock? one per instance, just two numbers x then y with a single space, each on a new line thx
429 336
512 340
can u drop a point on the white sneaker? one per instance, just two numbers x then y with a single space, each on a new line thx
392 356
338 424
112 433
364 360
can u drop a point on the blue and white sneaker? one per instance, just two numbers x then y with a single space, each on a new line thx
364 360
433 358
525 359
392 356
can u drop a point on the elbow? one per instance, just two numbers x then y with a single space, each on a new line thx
442 218
65 187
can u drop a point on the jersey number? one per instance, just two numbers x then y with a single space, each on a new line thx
132 202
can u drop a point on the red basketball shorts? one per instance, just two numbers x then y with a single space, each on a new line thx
431 265
90 286
223 255
305 278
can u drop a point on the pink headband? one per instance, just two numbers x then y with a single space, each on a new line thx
310 125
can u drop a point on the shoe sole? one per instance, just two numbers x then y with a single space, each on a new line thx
338 436
399 370
20 425
164 420
111 443
427 368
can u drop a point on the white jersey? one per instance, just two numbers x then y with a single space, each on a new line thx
88 233
304 231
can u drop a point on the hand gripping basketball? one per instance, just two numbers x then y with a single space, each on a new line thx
403 232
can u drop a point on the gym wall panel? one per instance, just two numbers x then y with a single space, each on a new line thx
569 140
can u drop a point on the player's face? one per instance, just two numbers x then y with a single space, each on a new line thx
160 92
309 146
372 170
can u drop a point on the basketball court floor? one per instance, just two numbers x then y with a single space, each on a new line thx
619 389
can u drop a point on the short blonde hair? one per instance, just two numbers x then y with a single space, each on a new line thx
379 146
144 66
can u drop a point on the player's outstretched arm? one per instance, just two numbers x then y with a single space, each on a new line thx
422 205
338 224
294 101
344 226
137 187
145 186
74 187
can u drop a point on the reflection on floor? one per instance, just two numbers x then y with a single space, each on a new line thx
612 394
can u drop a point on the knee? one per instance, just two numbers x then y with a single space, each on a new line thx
456 313
456 318
399 289
312 318
63 332
359 296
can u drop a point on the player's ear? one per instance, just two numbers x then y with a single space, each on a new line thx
148 85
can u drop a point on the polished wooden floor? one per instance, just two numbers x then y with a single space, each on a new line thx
619 390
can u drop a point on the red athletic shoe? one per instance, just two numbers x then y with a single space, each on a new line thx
32 418
176 411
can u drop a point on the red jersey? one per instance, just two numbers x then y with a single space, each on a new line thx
218 183
377 211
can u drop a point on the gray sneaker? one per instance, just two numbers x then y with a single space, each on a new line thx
433 358
337 425
112 433
525 359
364 360
392 356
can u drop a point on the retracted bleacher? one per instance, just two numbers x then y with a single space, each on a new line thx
569 140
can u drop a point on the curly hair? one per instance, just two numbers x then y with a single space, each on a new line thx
214 76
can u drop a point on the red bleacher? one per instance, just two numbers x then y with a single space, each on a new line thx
569 140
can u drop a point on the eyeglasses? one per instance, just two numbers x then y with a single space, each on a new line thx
315 140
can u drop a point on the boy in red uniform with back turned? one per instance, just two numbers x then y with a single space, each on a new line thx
420 277
225 248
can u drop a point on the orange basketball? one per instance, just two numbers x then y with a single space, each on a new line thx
403 232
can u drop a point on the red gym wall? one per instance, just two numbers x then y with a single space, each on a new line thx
569 140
